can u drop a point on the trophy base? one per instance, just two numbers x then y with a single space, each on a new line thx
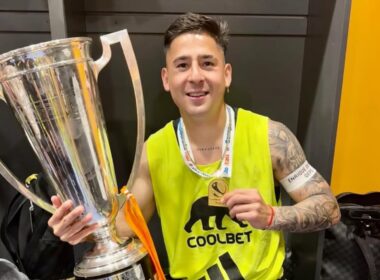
140 270
110 260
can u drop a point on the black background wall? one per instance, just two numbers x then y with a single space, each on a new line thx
280 52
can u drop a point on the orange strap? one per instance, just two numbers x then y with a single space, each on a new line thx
136 221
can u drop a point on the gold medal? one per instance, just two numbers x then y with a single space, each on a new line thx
216 189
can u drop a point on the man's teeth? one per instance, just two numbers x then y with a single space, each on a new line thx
196 94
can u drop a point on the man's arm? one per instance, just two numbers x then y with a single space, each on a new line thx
143 192
316 208
69 226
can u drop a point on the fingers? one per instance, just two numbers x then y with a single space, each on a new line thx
241 196
61 211
252 217
67 221
57 202
247 205
67 229
238 209
256 216
80 236
77 231
68 224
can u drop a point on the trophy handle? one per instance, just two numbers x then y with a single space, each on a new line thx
20 187
122 37
2 97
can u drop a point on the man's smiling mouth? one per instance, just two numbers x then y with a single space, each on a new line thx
197 93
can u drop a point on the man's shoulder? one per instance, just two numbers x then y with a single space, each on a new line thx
163 132
167 126
251 118
249 113
277 129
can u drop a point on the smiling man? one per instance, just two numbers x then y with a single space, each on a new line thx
210 174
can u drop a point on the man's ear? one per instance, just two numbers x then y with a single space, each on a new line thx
227 74
165 78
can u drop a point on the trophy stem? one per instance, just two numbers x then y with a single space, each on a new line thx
110 260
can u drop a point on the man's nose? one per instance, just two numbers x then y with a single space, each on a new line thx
195 74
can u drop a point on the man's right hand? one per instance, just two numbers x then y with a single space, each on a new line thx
68 224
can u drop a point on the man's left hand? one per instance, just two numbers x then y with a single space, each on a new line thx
248 205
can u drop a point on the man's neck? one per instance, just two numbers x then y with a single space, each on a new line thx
206 136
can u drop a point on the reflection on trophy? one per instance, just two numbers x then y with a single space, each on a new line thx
52 89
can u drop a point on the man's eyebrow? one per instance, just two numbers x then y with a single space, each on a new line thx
180 58
207 56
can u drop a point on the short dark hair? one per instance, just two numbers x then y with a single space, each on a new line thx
196 23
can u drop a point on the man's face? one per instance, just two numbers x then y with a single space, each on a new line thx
196 74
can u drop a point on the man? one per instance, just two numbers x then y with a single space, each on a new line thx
210 174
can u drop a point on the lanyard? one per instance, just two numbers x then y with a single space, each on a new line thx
225 169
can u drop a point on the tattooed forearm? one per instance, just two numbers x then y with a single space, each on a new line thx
317 210
317 213
286 152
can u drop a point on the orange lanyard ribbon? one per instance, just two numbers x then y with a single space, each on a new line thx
136 221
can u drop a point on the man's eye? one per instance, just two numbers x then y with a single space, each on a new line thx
208 64
181 65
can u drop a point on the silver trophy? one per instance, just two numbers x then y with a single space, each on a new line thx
52 89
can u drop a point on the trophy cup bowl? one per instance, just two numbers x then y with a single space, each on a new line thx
52 90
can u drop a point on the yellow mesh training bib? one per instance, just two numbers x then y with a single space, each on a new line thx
202 241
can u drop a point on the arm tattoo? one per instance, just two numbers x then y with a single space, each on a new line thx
287 154
319 211
317 208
